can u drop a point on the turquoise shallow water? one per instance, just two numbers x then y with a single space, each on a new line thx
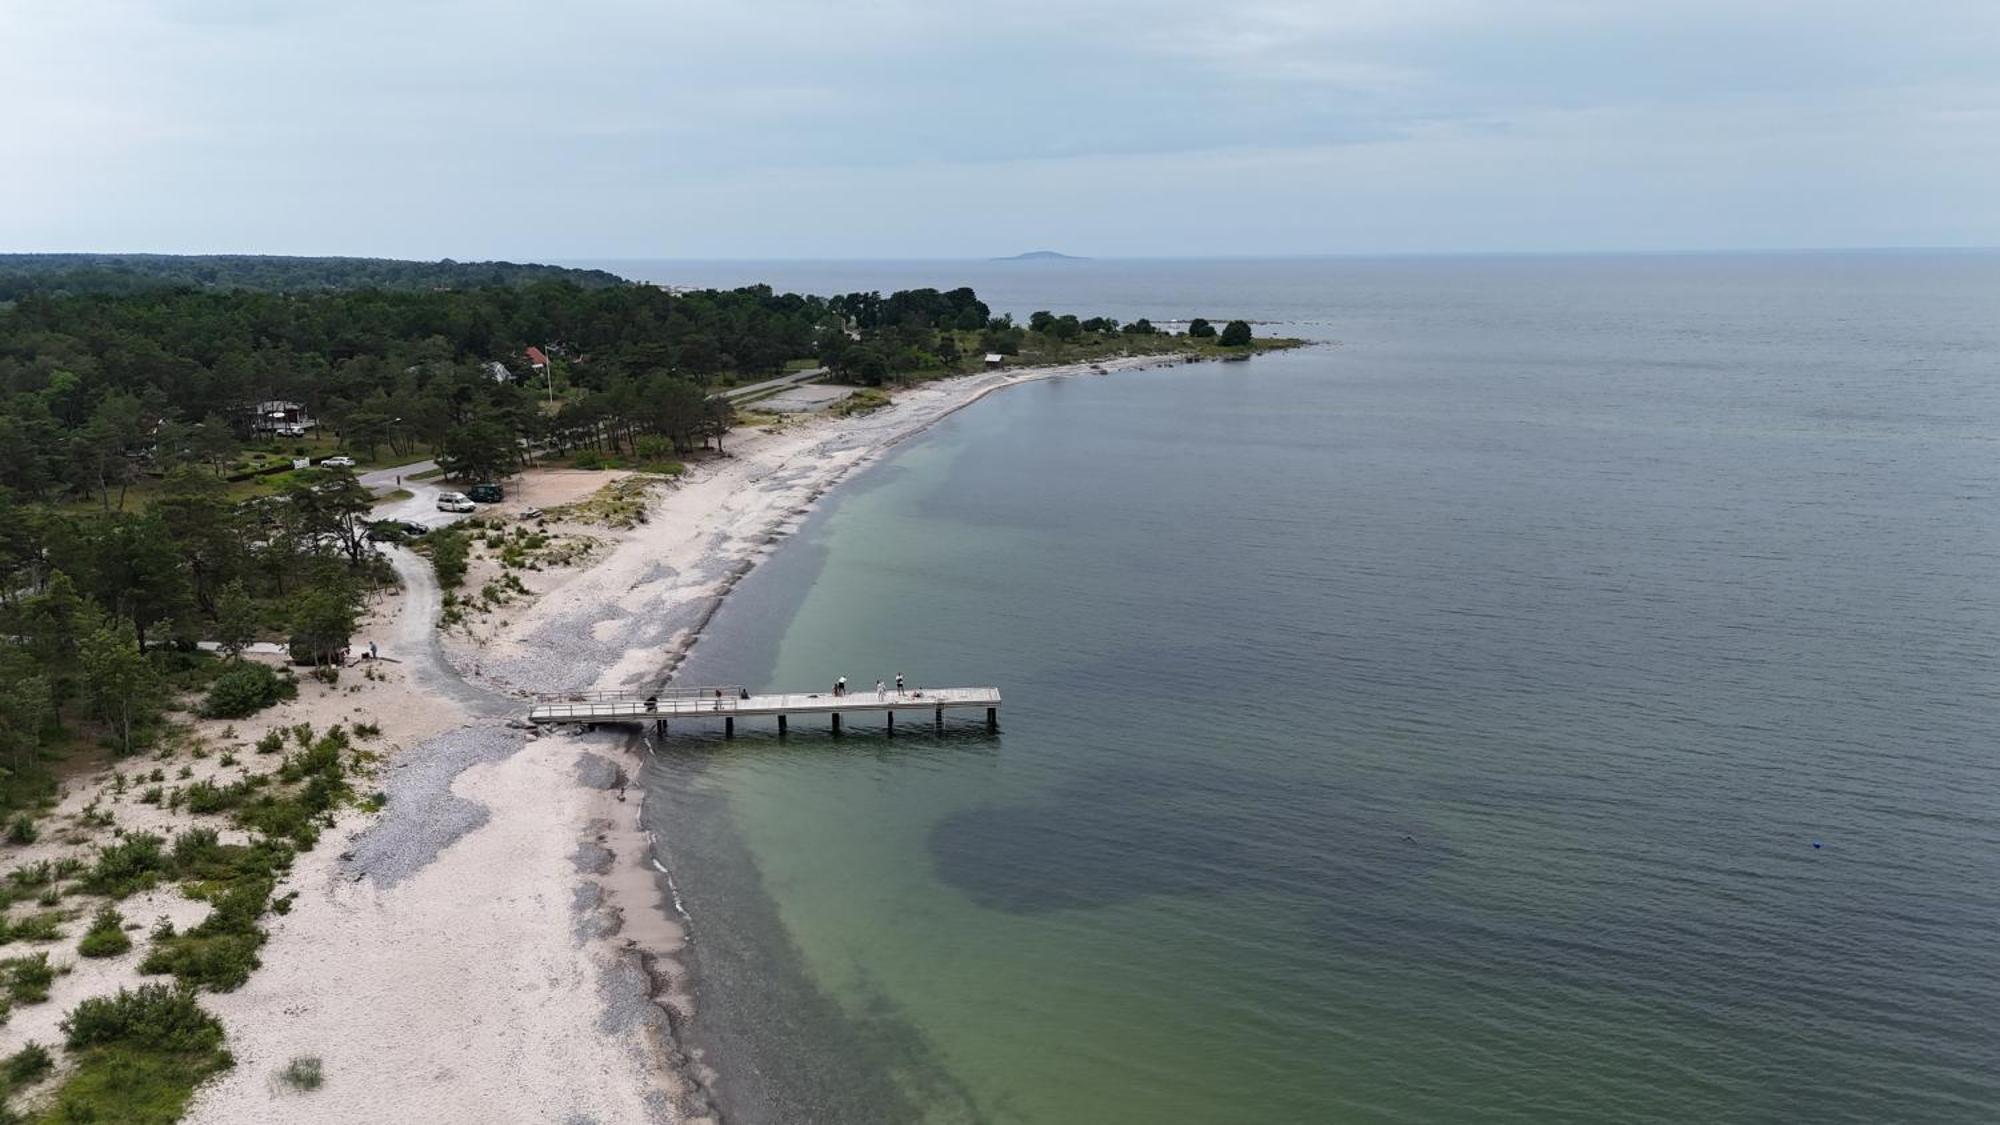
1433 727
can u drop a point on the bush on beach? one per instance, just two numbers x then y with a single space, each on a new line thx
245 690
139 1056
106 936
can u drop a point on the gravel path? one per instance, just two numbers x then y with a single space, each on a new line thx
423 816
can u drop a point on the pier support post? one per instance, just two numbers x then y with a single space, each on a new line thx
940 720
892 724
992 719
660 727
729 727
836 724
781 726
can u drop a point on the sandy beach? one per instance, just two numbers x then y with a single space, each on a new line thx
494 944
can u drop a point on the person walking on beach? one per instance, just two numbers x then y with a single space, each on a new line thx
371 650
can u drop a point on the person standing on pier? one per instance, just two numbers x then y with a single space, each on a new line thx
878 689
899 683
840 686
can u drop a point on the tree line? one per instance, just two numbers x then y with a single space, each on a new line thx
74 274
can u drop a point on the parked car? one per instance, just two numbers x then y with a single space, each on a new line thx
339 462
394 531
486 493
455 502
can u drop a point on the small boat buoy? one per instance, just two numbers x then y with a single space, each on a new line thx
1815 844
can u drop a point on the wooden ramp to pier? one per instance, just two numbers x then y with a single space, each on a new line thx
732 703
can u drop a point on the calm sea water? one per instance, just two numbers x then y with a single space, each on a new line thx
1571 697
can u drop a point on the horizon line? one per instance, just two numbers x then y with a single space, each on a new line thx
1068 258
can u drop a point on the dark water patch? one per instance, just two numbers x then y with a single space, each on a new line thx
1115 835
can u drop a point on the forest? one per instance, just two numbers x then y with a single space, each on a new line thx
74 274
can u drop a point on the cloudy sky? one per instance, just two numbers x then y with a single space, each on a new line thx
948 128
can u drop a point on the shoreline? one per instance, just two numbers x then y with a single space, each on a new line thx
503 937
635 895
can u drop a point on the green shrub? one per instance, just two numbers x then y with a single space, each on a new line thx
26 980
154 1016
21 829
271 743
131 864
106 936
26 1066
194 847
245 690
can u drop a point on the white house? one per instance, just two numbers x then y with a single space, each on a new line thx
288 419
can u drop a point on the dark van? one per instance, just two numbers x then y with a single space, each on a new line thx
485 494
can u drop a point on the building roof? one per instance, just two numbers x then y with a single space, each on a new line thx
536 357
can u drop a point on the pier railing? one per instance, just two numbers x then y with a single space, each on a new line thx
730 704
666 702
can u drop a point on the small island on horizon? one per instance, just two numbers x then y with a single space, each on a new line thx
1041 256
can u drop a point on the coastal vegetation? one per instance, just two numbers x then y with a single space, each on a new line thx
137 1057
303 1073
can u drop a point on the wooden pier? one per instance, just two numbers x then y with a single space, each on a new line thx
732 703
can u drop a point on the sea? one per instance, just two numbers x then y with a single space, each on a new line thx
1568 691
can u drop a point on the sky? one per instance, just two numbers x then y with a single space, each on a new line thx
566 129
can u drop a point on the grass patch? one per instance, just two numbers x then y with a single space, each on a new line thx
22 1069
394 496
303 1073
619 504
139 1057
862 402
427 474
44 926
221 952
592 459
